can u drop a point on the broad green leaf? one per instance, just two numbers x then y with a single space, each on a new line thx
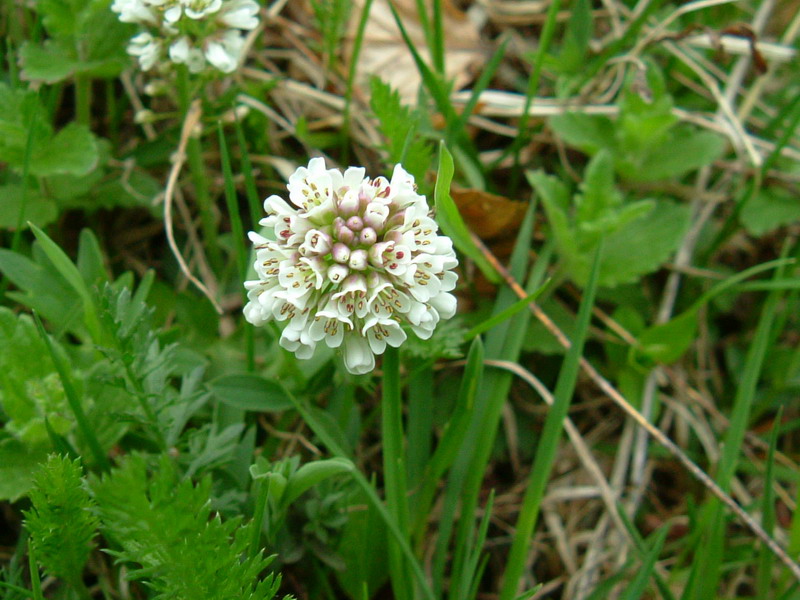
73 150
17 465
682 152
50 63
667 342
587 132
38 210
41 289
638 248
555 198
250 392
312 473
771 208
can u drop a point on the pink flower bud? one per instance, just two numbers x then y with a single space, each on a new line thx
367 236
341 253
358 260
344 234
348 204
355 223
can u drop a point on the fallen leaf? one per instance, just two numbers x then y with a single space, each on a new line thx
491 217
384 52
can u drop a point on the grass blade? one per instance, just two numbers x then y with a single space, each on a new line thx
72 398
549 440
450 220
70 272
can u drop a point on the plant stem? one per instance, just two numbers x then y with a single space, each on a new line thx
194 154
83 99
394 468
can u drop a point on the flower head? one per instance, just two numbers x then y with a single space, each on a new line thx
353 260
196 33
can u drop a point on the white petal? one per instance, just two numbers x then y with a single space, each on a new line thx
358 358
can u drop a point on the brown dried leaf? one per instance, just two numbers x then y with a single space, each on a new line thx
491 217
384 52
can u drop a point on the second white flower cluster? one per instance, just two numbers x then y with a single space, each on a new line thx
353 260
196 33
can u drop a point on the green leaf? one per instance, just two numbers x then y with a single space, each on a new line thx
38 210
60 521
312 473
73 151
638 248
17 464
683 151
250 392
576 38
399 125
666 343
450 219
771 208
588 132
599 193
51 62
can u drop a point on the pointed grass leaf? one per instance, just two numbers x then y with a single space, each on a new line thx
72 275
312 473
450 220
250 392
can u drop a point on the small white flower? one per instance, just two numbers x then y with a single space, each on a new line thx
146 48
135 11
182 52
353 260
239 14
224 52
198 33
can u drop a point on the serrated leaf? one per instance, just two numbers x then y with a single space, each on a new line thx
250 392
684 151
73 150
599 193
642 246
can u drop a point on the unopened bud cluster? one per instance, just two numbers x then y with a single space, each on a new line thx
196 33
353 259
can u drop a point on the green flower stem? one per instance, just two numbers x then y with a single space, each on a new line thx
72 398
394 467
194 154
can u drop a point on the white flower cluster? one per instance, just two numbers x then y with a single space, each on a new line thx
352 260
191 32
